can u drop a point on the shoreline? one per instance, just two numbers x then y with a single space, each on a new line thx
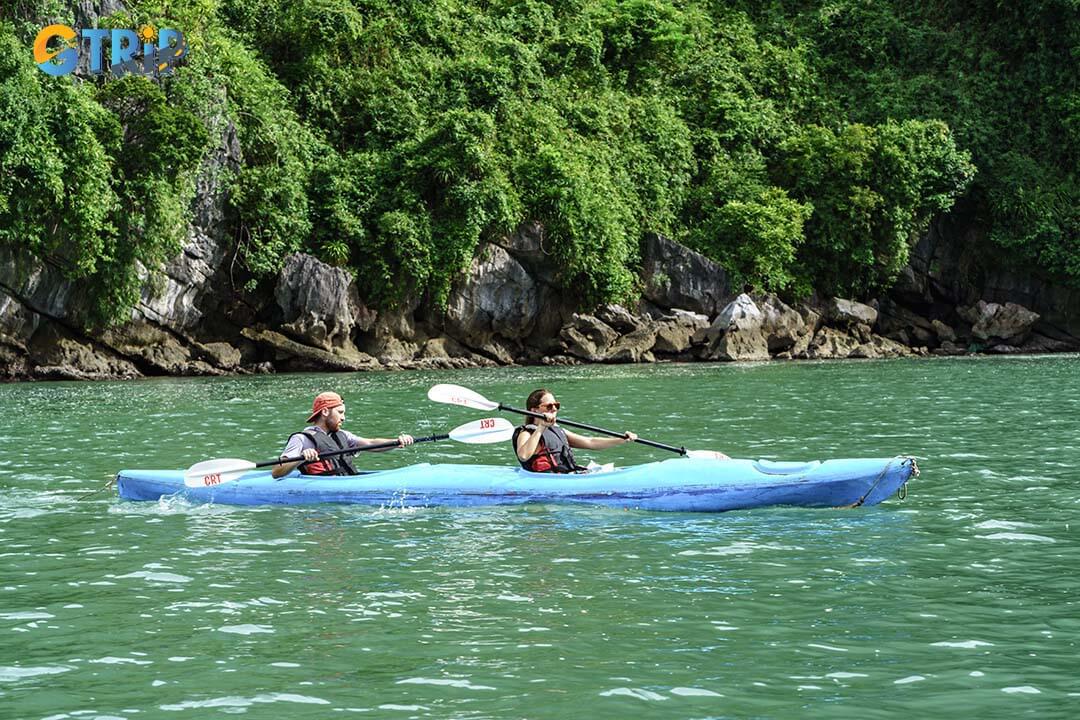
505 311
399 368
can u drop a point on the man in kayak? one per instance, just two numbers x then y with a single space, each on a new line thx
324 434
543 446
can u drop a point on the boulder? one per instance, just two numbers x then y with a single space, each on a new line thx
497 297
1009 322
738 332
830 344
783 325
675 333
619 318
943 331
844 313
221 354
677 277
293 355
740 345
634 347
742 313
877 346
949 348
587 337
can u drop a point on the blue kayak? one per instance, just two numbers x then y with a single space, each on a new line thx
680 484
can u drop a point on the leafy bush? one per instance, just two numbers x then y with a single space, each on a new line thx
873 191
96 183
801 145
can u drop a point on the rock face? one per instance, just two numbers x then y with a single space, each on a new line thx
320 304
677 277
178 304
186 294
508 307
497 305
953 267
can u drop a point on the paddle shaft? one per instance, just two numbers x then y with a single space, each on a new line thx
593 428
347 451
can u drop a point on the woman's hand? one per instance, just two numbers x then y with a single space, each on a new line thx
546 421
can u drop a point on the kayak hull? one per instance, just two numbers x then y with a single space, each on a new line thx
682 484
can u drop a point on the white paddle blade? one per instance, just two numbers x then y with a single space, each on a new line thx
214 472
457 395
706 455
488 430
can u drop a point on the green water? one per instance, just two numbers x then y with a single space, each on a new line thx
959 601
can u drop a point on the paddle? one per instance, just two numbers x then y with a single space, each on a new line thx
216 472
457 395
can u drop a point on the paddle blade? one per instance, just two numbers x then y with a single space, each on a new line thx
706 455
457 395
487 430
214 472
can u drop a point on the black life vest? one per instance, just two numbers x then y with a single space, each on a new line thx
328 442
553 454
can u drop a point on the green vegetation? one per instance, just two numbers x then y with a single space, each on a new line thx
803 145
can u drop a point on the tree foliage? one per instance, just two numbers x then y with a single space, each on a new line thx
803 145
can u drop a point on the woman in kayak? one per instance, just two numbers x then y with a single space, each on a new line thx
324 434
543 446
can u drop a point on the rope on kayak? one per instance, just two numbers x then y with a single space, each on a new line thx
881 476
106 486
860 501
901 492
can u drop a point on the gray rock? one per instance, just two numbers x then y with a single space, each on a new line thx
222 354
634 347
1009 322
298 356
320 304
673 334
619 318
677 277
57 354
949 348
588 337
783 325
830 343
877 346
497 298
740 345
943 331
844 313
192 284
742 313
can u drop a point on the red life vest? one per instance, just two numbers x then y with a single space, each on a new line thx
328 442
553 453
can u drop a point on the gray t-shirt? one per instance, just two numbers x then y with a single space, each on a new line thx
298 443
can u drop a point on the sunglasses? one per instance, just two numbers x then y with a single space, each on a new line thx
550 406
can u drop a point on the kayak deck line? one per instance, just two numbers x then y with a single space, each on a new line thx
678 484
